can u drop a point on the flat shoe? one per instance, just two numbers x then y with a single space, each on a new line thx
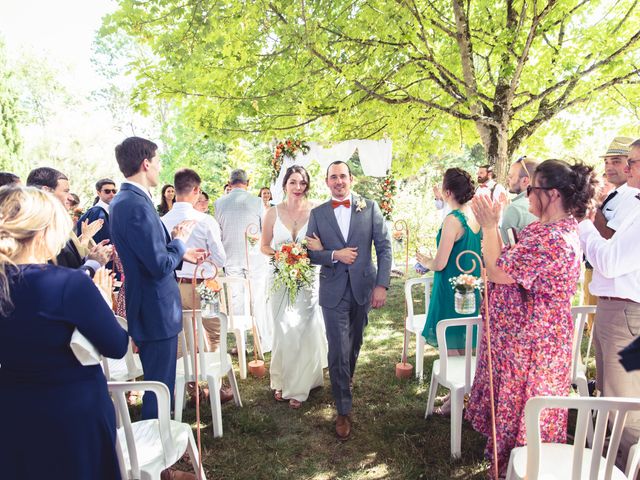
277 394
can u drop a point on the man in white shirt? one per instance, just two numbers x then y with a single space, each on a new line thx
611 213
616 282
487 184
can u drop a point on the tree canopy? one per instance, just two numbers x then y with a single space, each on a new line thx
9 112
429 73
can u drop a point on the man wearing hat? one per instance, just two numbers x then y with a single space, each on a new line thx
610 214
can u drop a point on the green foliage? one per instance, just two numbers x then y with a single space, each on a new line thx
10 141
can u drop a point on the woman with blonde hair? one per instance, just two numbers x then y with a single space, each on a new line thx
52 404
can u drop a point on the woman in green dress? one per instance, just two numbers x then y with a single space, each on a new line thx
459 231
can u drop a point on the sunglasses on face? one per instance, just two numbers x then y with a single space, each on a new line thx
110 190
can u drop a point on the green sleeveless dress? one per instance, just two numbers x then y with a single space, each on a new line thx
441 305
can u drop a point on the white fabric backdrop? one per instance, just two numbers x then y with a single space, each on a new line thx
375 157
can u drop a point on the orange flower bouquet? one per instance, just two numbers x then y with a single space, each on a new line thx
208 291
292 268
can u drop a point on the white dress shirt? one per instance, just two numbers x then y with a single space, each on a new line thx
141 187
343 216
104 206
620 206
616 262
486 190
206 234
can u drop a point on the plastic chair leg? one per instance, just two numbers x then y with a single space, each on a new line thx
192 449
419 356
457 404
179 402
216 406
433 389
231 375
241 345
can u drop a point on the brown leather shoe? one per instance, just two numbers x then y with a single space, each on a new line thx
343 427
226 394
173 474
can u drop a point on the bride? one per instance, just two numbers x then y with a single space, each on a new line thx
299 350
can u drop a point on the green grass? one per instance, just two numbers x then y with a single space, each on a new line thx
390 439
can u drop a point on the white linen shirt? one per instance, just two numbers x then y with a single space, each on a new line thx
616 262
623 204
206 234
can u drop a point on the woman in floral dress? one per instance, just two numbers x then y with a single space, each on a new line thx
531 285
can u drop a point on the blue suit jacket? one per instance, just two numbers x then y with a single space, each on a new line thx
149 258
95 213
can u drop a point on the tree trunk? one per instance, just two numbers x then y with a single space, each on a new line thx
496 142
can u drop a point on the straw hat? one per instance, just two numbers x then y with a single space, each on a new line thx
619 146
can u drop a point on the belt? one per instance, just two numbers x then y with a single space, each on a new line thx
618 299
190 280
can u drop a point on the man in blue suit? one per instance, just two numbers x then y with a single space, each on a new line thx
149 257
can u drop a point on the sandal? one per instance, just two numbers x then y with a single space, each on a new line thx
295 404
445 409
277 394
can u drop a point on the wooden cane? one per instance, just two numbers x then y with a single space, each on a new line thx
483 275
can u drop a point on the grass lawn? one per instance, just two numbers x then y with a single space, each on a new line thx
390 438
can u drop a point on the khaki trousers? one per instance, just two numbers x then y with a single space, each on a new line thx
211 325
617 325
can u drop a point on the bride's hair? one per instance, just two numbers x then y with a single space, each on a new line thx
296 169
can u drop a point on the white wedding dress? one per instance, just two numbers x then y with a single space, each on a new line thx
299 351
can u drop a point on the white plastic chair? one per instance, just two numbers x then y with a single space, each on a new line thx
415 321
239 323
212 366
557 461
578 364
126 368
455 373
147 447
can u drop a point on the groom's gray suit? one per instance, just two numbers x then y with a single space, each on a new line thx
345 290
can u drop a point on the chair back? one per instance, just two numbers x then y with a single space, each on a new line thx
408 293
579 315
473 331
188 346
239 287
606 409
118 392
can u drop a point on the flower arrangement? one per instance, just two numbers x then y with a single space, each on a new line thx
388 186
361 204
208 291
252 238
288 148
398 235
292 268
465 283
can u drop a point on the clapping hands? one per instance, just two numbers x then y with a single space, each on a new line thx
89 230
486 211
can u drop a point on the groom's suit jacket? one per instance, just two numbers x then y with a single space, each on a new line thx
149 258
367 226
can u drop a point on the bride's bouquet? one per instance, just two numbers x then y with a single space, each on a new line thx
292 268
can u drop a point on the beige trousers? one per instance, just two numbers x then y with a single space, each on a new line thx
211 325
617 325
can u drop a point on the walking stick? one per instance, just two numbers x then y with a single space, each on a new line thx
256 366
404 369
483 275
195 300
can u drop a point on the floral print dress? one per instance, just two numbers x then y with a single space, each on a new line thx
531 336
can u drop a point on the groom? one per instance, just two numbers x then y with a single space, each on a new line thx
349 282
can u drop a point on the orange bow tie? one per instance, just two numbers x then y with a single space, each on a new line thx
344 203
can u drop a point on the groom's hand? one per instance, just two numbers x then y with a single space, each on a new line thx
346 255
378 297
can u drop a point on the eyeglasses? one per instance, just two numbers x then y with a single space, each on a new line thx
110 190
531 189
631 162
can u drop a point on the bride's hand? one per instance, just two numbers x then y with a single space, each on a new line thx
314 243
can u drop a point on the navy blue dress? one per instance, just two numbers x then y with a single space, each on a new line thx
57 418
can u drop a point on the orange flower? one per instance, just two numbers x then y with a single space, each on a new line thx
212 285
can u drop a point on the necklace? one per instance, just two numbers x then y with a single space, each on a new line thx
295 219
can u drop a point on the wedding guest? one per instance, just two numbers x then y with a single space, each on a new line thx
516 215
7 178
167 197
43 387
530 291
487 184
265 196
202 205
106 190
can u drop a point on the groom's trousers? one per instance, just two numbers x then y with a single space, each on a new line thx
344 325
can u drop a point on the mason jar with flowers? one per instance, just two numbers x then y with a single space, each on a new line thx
465 298
209 291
